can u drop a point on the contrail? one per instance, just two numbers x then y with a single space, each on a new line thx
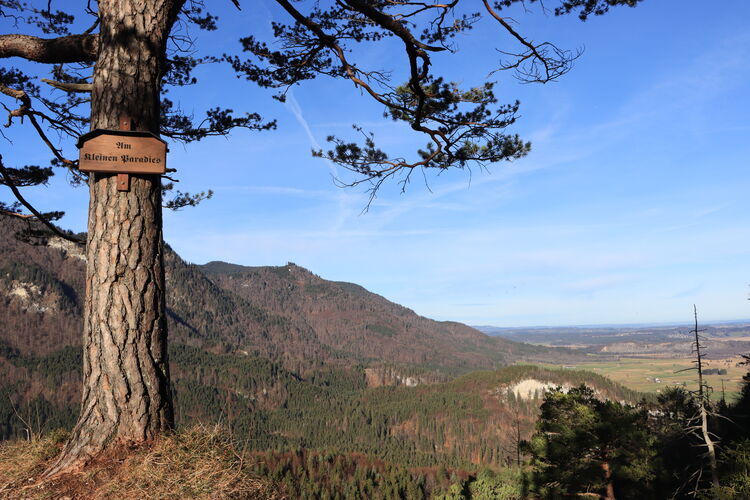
293 106
343 212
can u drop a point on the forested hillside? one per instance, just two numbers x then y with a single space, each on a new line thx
475 419
364 326
286 314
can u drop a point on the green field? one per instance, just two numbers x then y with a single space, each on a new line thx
657 374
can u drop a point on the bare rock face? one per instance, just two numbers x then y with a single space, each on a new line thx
389 376
533 389
30 296
68 248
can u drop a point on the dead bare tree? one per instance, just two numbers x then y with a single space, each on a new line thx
698 425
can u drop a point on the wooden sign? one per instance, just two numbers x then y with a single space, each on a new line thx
122 152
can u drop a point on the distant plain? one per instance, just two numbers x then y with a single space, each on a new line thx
657 374
650 359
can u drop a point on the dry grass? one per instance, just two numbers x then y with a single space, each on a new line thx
199 462
22 461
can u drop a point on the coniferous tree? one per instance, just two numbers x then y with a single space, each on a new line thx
585 445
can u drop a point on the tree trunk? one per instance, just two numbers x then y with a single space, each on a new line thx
610 488
126 388
703 404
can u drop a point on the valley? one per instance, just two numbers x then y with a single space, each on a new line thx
296 367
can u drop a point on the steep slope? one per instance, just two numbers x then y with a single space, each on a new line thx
476 418
362 325
40 292
286 314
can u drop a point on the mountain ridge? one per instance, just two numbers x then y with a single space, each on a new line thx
285 313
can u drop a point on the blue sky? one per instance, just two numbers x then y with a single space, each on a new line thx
631 207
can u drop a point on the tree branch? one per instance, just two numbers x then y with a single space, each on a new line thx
64 49
25 110
69 87
17 215
9 182
415 50
554 61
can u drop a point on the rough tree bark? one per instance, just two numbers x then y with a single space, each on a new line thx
126 390
72 48
610 487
